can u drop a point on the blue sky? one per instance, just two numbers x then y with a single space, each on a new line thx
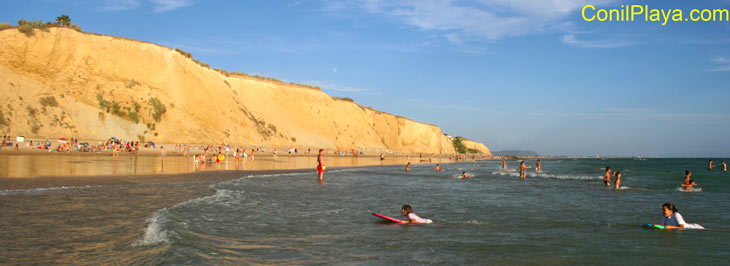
521 74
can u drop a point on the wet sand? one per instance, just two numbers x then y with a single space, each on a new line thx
28 171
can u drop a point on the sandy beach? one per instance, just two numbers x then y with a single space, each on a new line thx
31 168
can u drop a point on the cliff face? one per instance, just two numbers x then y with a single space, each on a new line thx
476 146
67 83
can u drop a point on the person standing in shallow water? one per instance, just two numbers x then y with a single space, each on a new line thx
408 167
710 165
607 177
538 166
320 165
724 166
523 170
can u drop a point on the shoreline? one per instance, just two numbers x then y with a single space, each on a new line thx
8 183
24 183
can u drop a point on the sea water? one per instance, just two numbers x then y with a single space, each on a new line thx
564 215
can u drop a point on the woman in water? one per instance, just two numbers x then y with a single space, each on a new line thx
671 219
412 217
523 170
617 174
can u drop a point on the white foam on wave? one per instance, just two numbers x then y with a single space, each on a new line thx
693 189
156 232
41 190
550 176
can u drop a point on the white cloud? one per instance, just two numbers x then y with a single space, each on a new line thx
334 69
720 69
167 5
570 39
635 114
157 5
475 19
119 5
328 86
720 60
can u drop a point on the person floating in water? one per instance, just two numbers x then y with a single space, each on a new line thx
523 170
710 165
688 182
617 174
407 211
320 165
538 166
464 175
671 219
607 177
408 167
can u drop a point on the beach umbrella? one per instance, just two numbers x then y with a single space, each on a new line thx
62 140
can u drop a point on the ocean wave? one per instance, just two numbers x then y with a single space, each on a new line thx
41 190
156 232
549 176
694 189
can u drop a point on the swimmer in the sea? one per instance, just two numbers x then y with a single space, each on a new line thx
617 174
607 177
523 170
688 182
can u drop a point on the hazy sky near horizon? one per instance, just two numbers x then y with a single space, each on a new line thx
521 74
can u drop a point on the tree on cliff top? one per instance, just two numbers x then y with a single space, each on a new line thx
63 20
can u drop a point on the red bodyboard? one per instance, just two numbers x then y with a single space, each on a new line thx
388 218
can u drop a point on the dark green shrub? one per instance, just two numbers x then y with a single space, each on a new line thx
5 25
26 29
459 146
157 108
49 101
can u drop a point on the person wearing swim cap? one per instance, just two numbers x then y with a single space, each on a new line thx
320 165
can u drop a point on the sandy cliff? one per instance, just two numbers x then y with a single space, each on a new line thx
66 83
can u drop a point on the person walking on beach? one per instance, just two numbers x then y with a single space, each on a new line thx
607 177
382 157
408 167
523 170
710 165
320 165
538 166
162 152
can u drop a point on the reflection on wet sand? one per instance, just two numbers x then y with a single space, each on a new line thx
93 165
